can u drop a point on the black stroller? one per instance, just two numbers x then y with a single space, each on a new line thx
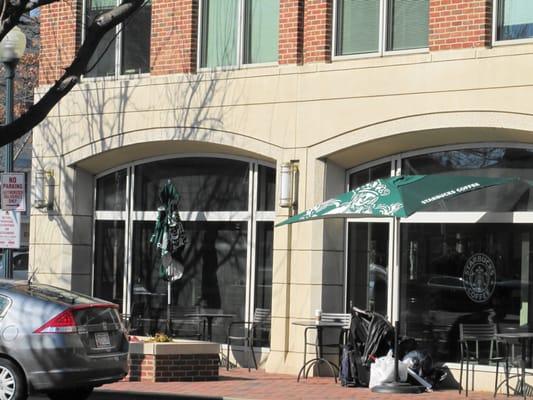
370 336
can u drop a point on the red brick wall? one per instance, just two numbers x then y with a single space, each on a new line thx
317 30
173 367
291 13
174 36
459 24
305 32
60 38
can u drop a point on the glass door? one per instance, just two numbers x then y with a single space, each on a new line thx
369 266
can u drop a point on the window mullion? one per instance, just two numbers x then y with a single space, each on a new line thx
383 26
118 47
200 40
241 40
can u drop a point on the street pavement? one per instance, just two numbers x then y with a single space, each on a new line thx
239 384
136 396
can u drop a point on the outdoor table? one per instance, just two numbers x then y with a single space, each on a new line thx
525 339
319 326
209 316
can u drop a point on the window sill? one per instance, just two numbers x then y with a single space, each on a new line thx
231 68
512 42
123 77
380 54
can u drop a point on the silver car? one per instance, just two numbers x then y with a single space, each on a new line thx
57 342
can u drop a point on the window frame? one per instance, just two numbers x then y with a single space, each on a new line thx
250 217
241 42
118 49
471 217
384 28
496 14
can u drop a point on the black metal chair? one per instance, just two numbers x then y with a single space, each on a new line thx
470 338
344 319
245 331
186 327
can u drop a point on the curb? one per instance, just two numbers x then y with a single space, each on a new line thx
104 394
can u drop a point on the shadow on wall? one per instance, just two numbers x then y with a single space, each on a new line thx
188 107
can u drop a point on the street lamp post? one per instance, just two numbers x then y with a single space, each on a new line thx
11 51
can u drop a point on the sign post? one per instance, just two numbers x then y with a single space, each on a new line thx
13 201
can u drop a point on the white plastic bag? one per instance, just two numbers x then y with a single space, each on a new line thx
382 371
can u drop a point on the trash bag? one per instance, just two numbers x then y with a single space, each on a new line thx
420 362
380 338
382 371
406 345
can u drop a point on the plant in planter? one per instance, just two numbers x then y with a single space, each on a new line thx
159 337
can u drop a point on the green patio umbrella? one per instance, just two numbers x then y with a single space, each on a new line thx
398 196
169 238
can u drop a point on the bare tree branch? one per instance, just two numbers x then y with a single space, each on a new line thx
12 11
95 32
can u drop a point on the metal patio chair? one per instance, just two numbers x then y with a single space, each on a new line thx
344 319
244 332
470 338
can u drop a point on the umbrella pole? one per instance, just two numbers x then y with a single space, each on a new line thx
397 386
169 294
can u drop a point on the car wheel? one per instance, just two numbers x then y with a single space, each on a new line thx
71 394
12 381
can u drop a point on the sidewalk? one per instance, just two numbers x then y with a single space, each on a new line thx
241 384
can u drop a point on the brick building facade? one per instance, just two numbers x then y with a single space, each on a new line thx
341 91
305 32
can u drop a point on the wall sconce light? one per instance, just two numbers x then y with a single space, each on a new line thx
43 189
288 184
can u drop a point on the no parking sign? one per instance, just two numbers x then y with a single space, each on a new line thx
13 192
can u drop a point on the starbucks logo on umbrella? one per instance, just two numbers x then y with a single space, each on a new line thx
365 199
479 277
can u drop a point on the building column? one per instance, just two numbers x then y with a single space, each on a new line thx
308 266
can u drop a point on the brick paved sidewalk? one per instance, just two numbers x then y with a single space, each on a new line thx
240 384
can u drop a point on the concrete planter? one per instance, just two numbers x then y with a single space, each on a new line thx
179 360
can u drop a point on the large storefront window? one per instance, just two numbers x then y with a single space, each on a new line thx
488 161
228 255
219 185
111 190
214 277
463 260
369 174
109 260
463 273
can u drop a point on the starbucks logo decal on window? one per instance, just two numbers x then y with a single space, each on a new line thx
479 277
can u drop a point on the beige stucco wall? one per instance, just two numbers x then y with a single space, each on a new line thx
330 117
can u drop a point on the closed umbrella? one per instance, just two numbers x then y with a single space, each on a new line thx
169 238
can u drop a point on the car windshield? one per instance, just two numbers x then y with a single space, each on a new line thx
47 292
